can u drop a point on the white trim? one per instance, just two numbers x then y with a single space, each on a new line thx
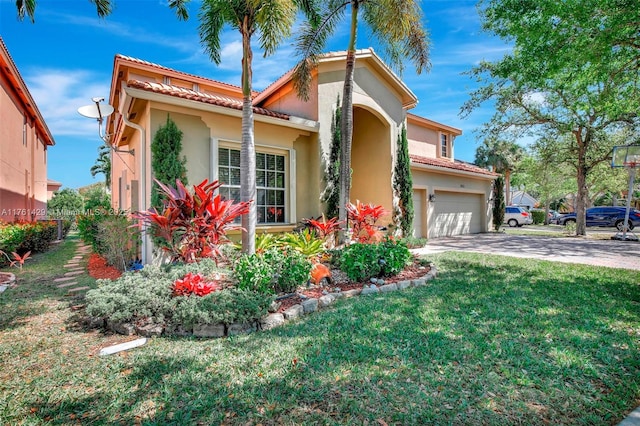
213 159
292 187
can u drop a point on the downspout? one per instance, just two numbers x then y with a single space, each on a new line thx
142 195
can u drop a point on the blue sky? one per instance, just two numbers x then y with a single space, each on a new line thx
66 58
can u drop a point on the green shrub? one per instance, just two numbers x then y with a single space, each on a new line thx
221 307
21 237
538 216
305 242
88 228
117 240
253 272
363 261
146 295
274 271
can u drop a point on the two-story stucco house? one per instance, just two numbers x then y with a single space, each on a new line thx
24 140
292 140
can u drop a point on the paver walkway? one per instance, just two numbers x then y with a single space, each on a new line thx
73 269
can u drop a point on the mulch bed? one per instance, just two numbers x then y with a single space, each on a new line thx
99 269
413 271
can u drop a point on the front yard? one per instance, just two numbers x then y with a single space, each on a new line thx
492 340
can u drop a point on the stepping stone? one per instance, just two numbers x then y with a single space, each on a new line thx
78 257
63 279
74 269
77 289
71 284
73 273
70 264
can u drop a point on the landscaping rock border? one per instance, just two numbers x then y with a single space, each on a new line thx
270 321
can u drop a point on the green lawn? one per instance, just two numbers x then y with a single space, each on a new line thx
493 340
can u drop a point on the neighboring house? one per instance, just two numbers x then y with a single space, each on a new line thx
24 140
52 186
522 199
292 140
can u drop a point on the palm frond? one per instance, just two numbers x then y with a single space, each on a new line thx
212 19
180 7
26 8
274 19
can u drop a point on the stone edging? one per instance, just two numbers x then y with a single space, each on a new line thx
268 322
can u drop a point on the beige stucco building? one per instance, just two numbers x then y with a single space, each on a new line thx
292 140
24 140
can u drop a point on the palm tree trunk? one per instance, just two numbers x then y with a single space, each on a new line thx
346 125
247 148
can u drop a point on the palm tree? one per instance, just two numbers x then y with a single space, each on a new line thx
28 8
273 20
502 157
103 164
397 24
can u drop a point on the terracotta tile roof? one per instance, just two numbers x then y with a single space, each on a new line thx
180 92
162 67
455 165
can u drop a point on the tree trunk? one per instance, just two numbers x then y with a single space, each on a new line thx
583 192
247 148
507 184
346 125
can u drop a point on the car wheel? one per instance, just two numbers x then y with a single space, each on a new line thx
568 221
620 225
512 223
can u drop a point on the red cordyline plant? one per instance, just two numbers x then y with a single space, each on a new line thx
193 225
325 229
363 218
194 284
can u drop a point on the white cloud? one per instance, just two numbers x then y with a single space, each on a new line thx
59 93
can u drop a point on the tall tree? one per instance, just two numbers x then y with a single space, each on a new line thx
557 93
167 161
397 24
498 202
103 164
273 20
403 184
502 157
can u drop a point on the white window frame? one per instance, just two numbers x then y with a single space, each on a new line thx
290 172
444 146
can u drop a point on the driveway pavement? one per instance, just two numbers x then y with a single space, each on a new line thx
610 253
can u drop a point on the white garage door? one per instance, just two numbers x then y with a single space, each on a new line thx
418 212
456 213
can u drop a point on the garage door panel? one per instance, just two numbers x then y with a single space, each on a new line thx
418 212
456 214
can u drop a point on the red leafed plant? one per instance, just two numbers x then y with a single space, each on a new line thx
326 229
363 218
193 225
194 284
18 261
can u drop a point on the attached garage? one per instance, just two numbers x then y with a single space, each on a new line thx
450 198
456 213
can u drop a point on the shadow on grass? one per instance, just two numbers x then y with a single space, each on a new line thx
35 286
491 341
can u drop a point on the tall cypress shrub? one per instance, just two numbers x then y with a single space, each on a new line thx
403 184
498 202
167 162
331 194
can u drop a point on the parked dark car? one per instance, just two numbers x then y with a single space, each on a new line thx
606 217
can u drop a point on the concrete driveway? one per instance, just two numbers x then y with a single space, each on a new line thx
610 253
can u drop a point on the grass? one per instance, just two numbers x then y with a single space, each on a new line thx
493 340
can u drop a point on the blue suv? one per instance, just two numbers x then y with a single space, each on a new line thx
605 216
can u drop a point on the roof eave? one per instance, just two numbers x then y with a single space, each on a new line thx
448 170
293 121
